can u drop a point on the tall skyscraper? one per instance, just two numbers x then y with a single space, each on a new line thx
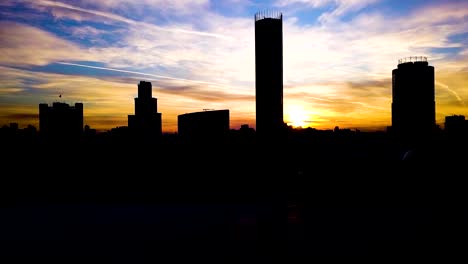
147 120
413 106
61 120
269 73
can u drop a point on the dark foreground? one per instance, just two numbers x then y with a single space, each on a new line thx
241 204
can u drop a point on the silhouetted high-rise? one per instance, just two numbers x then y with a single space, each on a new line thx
206 125
269 73
147 120
456 125
413 106
61 120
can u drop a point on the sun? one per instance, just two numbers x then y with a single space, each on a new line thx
297 117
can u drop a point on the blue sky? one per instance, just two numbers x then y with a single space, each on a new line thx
338 57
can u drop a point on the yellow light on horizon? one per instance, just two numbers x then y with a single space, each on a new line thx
297 117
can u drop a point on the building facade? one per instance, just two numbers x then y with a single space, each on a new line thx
61 120
206 125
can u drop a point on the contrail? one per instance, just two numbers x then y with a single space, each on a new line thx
142 73
452 91
320 99
123 19
75 8
370 106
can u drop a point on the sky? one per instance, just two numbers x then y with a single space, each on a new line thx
200 54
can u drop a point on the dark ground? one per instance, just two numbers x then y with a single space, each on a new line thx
237 203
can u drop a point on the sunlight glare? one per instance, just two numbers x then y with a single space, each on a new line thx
297 117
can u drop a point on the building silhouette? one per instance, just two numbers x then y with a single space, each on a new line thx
269 73
61 120
456 125
146 121
203 126
413 105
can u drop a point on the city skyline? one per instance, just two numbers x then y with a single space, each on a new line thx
338 58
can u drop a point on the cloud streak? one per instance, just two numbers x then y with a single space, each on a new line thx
111 16
140 73
207 95
339 7
40 48
451 91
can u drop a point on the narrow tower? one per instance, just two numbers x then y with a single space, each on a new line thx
269 73
146 121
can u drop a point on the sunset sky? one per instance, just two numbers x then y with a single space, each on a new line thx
198 54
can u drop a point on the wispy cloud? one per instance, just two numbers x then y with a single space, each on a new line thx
22 114
208 95
338 7
111 16
26 45
140 73
58 4
451 91
84 32
167 7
